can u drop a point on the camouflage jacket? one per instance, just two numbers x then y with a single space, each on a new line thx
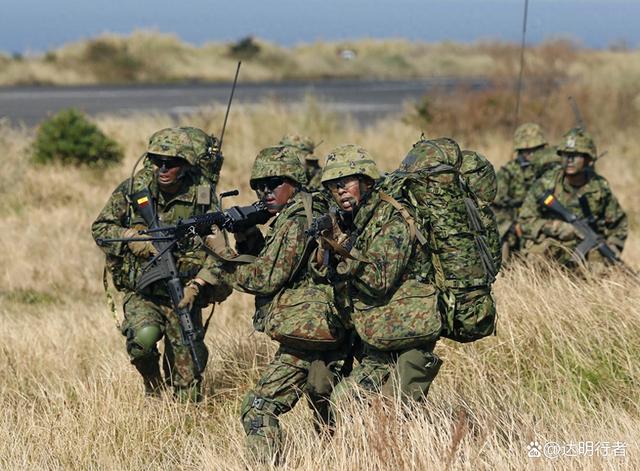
514 180
281 261
536 222
117 215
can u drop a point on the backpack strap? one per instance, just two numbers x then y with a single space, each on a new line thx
414 232
307 203
309 245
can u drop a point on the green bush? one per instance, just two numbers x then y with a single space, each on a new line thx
69 137
112 62
245 48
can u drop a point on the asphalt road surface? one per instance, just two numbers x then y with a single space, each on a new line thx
365 100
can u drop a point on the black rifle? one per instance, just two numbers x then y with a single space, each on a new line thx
320 225
590 238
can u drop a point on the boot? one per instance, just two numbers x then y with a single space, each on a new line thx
149 369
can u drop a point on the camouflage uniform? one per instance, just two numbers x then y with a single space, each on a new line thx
148 314
280 266
542 230
516 177
385 259
311 165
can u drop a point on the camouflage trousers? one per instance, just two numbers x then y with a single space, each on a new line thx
291 375
141 312
408 374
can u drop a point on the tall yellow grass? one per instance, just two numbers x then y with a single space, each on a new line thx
562 368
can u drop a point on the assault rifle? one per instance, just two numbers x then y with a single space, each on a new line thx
319 225
162 267
590 238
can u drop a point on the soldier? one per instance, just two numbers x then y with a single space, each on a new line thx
533 157
179 189
583 192
311 162
288 307
386 281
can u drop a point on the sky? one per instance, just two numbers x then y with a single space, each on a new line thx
40 25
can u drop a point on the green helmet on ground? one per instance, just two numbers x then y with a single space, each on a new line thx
528 136
279 161
303 143
186 143
348 160
577 140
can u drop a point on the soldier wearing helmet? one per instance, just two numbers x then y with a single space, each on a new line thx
180 171
289 308
368 263
583 192
311 162
533 158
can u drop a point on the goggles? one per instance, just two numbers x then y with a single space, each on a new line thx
266 185
341 183
166 162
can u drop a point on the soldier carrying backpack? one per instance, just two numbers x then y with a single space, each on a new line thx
419 249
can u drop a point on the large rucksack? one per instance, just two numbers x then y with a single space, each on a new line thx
447 193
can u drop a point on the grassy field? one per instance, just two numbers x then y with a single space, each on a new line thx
152 57
562 368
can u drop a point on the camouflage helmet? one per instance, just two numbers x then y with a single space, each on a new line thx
279 161
186 143
347 160
577 140
303 143
528 136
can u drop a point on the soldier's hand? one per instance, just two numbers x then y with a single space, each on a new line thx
143 249
562 230
217 244
190 293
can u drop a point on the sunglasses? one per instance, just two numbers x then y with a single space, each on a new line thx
167 163
267 184
340 183
572 156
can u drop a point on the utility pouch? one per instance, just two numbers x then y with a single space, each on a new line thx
305 318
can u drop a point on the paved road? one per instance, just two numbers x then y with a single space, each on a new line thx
365 100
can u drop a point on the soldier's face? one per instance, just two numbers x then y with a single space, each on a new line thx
346 192
574 163
168 171
275 192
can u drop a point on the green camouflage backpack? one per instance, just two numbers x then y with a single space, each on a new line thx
448 193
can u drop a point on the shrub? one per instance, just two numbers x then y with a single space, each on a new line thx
69 137
245 48
112 62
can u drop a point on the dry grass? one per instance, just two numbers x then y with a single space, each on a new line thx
153 57
563 366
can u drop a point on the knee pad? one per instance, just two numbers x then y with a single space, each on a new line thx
142 342
416 370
